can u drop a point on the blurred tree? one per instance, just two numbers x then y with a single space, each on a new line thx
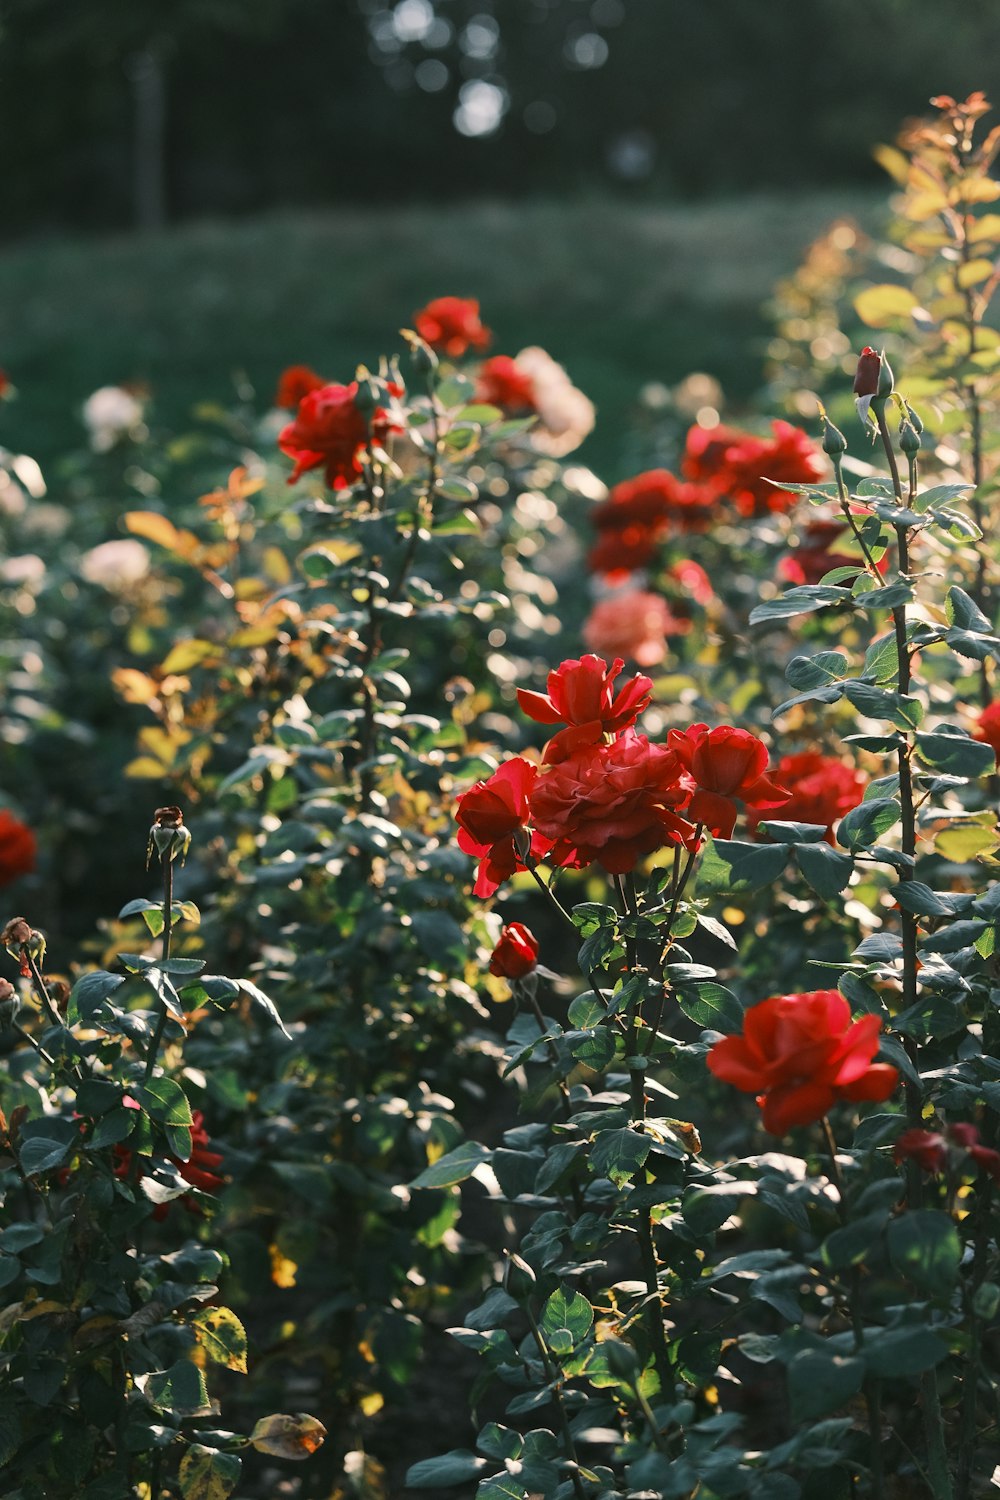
240 105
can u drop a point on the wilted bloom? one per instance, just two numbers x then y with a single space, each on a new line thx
635 623
492 819
452 325
802 1053
581 694
18 847
110 414
822 789
117 565
988 728
295 384
516 953
612 804
331 432
724 764
748 470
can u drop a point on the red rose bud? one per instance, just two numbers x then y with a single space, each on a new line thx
866 379
516 953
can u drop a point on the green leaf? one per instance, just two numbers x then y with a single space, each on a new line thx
865 824
223 1337
45 1144
89 993
850 1245
729 865
587 1010
913 896
166 1102
567 1309
950 749
450 1469
797 601
707 1208
825 667
924 1246
892 1352
885 306
826 870
819 1383
207 1474
595 1049
265 1003
456 1166
619 1154
712 1006
180 1390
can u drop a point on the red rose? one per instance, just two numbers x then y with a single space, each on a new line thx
18 847
330 431
724 763
612 804
295 384
516 952
987 729
638 513
581 694
802 1053
503 383
928 1149
617 552
749 470
452 325
198 1170
491 816
933 1152
822 790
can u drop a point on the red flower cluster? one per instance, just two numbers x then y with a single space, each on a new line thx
822 789
748 471
934 1152
987 730
802 1053
516 953
452 325
639 513
504 384
18 847
295 384
603 793
330 431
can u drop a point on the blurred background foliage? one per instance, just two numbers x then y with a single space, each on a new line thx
620 182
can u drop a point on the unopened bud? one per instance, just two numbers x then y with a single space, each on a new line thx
885 378
866 379
168 836
914 417
909 438
834 441
424 359
366 395
622 1359
519 1279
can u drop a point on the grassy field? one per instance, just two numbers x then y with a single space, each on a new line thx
621 294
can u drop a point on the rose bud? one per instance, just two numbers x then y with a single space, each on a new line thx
866 379
516 953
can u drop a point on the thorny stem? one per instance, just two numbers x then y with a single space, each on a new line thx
845 506
552 1376
167 865
936 1451
872 1388
970 1382
647 1247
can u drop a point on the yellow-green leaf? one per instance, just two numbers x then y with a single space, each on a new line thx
223 1337
973 272
206 1474
883 306
188 654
